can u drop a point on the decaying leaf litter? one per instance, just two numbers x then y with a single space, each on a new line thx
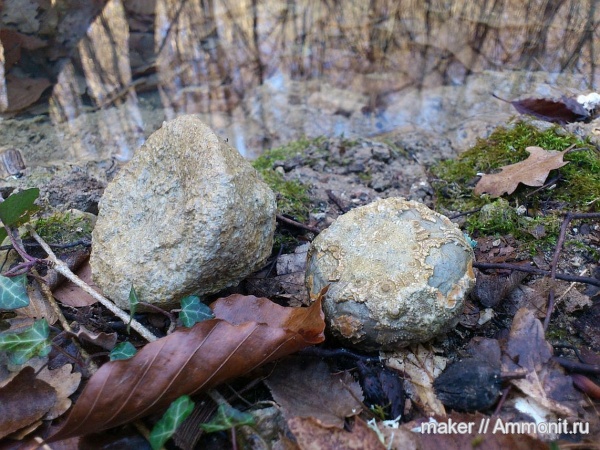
539 381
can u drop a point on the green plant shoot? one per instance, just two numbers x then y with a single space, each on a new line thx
178 411
133 303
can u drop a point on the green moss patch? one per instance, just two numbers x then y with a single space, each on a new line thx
292 195
530 214
64 228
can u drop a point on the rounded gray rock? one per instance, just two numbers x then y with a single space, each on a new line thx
188 214
398 274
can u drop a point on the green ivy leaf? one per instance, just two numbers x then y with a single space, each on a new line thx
3 234
227 417
178 411
124 350
24 345
18 208
13 293
133 303
194 311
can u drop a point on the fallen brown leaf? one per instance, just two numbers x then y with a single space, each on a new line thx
24 401
307 389
545 383
105 340
246 333
65 383
532 172
563 111
311 435
68 293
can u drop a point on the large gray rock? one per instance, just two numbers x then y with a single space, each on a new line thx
398 273
188 214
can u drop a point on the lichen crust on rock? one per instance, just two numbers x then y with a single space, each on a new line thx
398 274
188 214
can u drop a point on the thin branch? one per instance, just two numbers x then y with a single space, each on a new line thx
283 219
558 276
64 270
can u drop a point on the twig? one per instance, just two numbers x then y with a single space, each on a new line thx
296 224
559 244
558 276
575 366
466 213
47 293
64 270
83 242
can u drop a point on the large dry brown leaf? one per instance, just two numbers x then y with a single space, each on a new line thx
246 333
532 172
307 389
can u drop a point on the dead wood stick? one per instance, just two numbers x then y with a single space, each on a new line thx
558 276
296 224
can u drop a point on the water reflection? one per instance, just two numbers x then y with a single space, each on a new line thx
262 72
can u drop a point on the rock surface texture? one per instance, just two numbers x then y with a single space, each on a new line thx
398 274
188 214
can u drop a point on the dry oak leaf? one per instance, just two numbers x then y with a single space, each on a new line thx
247 332
532 172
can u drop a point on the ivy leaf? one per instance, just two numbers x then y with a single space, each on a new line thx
22 346
13 293
227 417
133 303
178 411
124 350
18 208
194 311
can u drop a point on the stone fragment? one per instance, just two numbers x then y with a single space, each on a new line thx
188 214
398 273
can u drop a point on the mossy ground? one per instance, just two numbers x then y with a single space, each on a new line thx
292 195
63 228
577 187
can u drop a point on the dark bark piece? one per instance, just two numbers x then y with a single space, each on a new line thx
469 385
382 386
